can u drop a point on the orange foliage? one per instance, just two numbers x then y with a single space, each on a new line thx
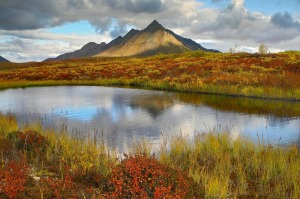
13 177
142 177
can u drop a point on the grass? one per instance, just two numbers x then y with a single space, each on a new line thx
273 76
210 165
41 163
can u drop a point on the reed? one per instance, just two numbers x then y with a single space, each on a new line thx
236 168
214 164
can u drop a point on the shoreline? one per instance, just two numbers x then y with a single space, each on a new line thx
120 84
37 163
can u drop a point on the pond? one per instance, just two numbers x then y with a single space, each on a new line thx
123 115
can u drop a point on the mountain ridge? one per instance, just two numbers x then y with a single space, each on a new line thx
2 59
152 40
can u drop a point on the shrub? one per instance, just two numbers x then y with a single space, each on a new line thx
144 177
29 140
13 177
6 147
59 187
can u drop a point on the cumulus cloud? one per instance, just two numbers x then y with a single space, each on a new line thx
29 45
34 14
236 24
284 20
28 22
238 3
105 15
231 19
147 6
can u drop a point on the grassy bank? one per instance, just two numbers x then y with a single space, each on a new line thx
38 163
274 76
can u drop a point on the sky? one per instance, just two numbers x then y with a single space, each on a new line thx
34 30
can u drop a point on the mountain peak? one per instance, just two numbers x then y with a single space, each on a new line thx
152 40
154 22
154 26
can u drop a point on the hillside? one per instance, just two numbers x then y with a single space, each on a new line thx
87 50
2 59
152 40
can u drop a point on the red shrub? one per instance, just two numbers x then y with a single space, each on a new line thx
29 140
142 177
59 187
13 177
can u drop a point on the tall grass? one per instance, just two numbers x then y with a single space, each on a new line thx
219 165
58 154
8 123
236 168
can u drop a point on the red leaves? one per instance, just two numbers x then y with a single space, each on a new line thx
135 176
142 177
13 177
29 140
243 70
60 187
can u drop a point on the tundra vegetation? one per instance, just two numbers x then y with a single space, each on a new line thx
39 163
240 74
43 163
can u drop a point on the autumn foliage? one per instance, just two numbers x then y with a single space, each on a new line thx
267 75
29 140
143 177
210 166
13 176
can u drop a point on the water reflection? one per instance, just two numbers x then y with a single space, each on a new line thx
122 115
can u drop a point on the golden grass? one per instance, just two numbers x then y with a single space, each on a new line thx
239 168
225 168
251 75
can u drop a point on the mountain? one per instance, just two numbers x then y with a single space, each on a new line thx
152 40
88 50
2 59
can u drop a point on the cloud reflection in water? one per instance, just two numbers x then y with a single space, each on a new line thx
123 115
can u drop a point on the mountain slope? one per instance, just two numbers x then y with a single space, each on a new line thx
87 50
2 59
152 40
192 45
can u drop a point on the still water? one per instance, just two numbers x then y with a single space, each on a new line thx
122 115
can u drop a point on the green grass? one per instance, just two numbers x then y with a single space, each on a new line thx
221 166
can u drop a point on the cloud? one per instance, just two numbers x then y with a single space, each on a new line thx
29 45
285 20
34 14
29 22
236 24
231 18
18 15
145 6
238 3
